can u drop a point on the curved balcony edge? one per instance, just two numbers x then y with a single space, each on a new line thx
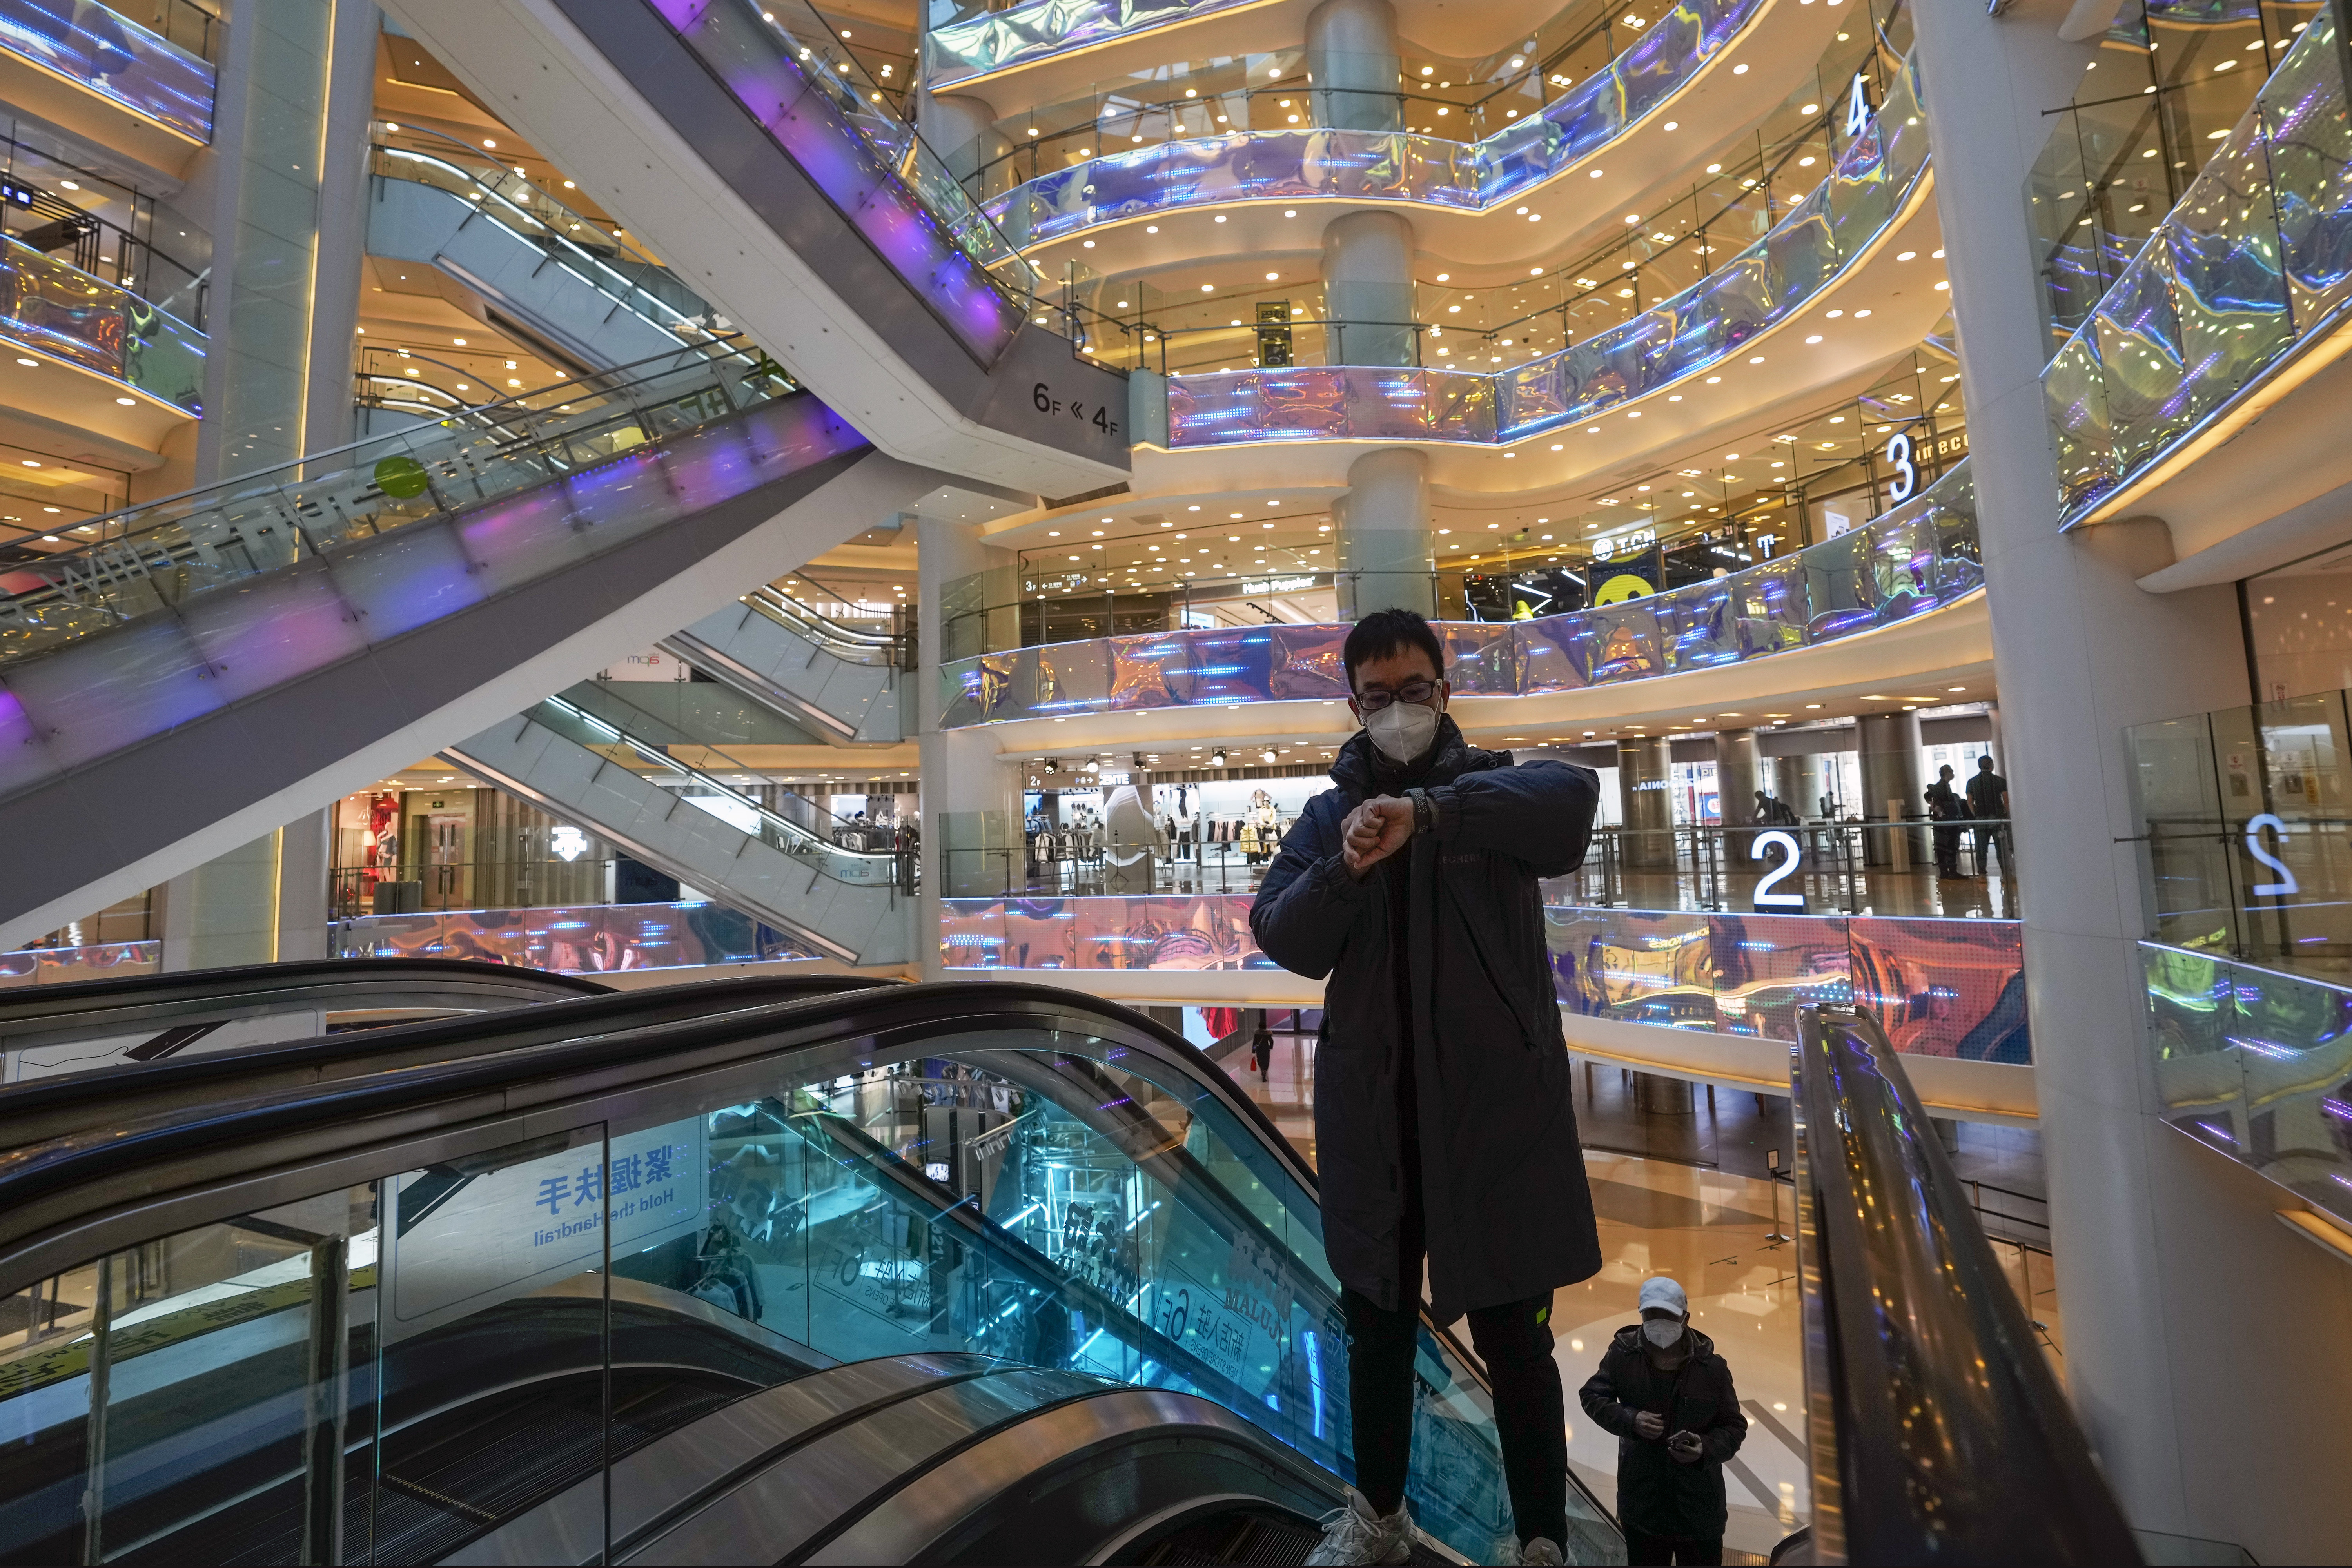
1919 558
1503 167
1879 184
2239 294
55 309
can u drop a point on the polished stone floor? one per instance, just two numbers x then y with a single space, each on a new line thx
1690 1196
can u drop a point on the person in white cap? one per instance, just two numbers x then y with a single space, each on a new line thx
1668 1397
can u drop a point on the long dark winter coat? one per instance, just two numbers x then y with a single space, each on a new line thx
1656 1493
1508 1214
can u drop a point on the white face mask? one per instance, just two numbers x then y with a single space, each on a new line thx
1663 1333
1402 731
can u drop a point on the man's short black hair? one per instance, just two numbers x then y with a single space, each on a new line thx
1386 632
1984 759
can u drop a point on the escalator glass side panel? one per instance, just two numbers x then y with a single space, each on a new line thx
392 1370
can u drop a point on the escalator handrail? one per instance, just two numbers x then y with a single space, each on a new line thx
661 756
221 985
71 1194
134 1092
821 629
1939 1432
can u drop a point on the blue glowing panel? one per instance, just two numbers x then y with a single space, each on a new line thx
115 58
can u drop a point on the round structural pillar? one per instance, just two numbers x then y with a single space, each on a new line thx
1384 536
970 799
956 126
1738 768
1352 57
1801 782
1368 289
1657 1095
1888 745
2169 1250
1645 803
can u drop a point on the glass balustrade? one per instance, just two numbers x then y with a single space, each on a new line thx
115 58
1771 280
590 250
71 965
47 305
1380 165
2245 831
214 595
2247 267
1919 557
783 64
1942 987
582 939
2256 1064
481 1340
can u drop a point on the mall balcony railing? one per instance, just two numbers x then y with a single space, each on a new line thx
1323 152
1879 177
2256 1065
1644 75
783 63
59 309
2124 153
102 49
1922 556
92 243
1821 866
71 965
2244 273
589 937
1936 1429
2244 829
168 554
590 250
530 883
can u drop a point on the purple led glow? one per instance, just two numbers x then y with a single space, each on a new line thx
114 57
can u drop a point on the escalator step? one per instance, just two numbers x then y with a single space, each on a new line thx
1244 1536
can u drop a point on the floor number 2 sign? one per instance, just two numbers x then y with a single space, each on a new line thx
1790 855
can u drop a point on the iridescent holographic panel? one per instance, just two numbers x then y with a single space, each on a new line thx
1767 966
1921 556
115 58
1638 966
2256 1065
2254 258
1944 988
1289 165
68 965
1764 284
62 311
589 939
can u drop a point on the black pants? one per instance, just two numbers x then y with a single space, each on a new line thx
1514 1340
1663 1550
1947 851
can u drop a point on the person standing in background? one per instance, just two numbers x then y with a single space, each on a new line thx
1945 806
1667 1396
1989 803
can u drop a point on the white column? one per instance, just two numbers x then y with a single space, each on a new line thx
1351 54
956 126
1384 539
970 808
1367 293
2206 1347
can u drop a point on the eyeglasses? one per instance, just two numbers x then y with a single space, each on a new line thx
1373 700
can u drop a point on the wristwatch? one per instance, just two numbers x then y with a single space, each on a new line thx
1424 814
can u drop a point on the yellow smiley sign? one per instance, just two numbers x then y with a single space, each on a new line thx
1618 589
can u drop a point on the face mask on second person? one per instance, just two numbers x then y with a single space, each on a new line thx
1661 1332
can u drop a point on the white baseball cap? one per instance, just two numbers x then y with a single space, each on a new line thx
1660 1291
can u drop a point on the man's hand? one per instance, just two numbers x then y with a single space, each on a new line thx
1649 1424
1686 1447
1374 831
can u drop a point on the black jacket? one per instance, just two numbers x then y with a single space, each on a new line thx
1657 1494
1508 1211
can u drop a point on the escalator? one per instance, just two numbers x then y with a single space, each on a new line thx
957 1273
274 642
844 684
50 1029
750 139
593 758
569 282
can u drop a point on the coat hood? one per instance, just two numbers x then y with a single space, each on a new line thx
1360 767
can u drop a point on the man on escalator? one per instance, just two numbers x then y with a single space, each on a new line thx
1445 1131
1667 1397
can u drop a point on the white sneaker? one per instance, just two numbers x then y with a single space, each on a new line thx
1540 1553
1355 1534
